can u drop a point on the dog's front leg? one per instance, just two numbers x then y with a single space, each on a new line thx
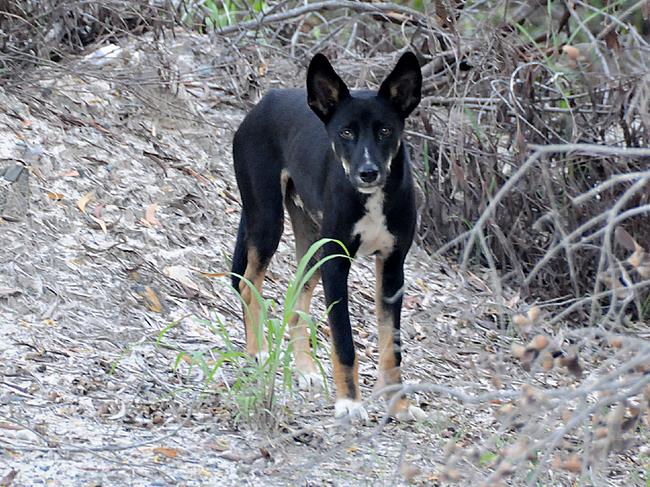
388 302
345 363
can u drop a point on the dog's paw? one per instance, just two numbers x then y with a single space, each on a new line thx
261 357
310 381
405 412
351 410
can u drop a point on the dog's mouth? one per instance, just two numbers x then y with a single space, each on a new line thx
368 188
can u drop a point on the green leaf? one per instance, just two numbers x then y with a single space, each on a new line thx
487 458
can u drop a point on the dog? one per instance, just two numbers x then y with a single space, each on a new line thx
336 160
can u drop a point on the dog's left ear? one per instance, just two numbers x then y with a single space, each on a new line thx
403 86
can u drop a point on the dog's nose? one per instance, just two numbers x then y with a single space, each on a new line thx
369 173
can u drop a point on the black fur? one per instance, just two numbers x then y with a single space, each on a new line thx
335 156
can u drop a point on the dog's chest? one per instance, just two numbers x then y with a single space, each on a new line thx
374 237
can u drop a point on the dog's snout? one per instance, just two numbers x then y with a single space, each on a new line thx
369 173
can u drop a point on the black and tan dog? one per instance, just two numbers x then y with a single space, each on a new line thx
337 161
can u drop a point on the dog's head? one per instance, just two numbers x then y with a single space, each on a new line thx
365 130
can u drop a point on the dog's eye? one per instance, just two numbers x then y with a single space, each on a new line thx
384 132
346 134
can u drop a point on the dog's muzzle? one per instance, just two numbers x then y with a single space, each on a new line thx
368 178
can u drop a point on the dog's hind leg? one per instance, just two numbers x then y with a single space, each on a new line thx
261 243
258 237
306 232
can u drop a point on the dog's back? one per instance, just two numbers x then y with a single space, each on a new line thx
281 132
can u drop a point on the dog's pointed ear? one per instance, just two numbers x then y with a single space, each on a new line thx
325 90
403 86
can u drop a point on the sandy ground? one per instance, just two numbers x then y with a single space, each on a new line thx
117 198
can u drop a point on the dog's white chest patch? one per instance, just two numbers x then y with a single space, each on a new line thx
371 228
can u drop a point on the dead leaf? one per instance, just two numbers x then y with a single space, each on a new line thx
151 299
213 274
640 259
150 216
412 302
517 350
54 196
533 314
539 342
182 275
100 222
572 53
166 452
83 201
616 342
398 17
506 410
98 210
218 445
572 464
611 40
72 173
521 321
187 359
200 178
520 141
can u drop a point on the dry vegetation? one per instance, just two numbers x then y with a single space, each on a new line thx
526 324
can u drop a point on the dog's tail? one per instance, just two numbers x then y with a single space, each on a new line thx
240 256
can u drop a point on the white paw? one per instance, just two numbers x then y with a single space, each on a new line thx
353 410
310 381
261 357
410 414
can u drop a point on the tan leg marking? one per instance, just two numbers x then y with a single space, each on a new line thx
389 371
299 330
346 378
305 233
255 336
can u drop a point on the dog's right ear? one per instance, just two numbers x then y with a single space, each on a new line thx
325 90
